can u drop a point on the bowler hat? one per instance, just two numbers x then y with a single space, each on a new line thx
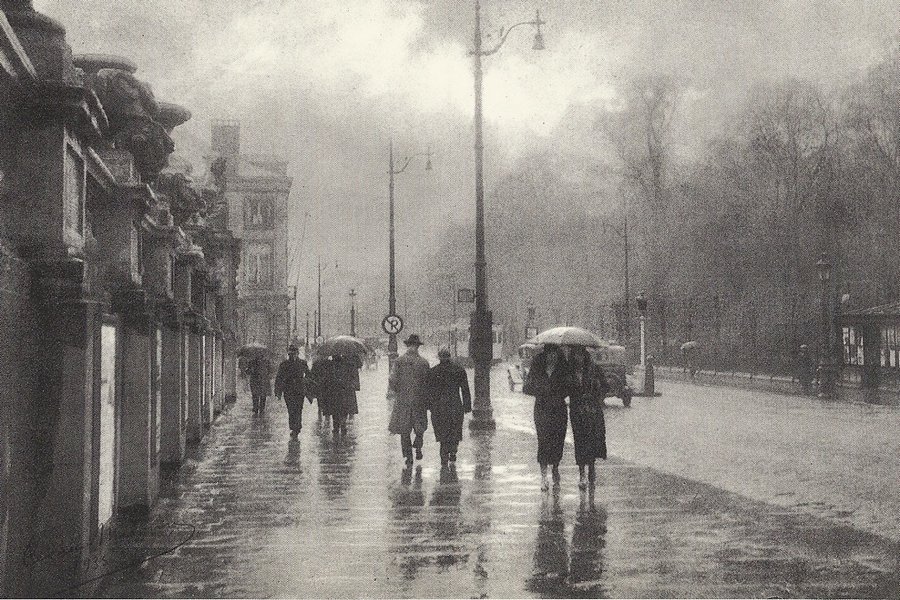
413 340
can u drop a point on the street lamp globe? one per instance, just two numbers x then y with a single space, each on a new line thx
824 268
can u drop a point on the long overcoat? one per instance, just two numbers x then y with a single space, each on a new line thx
586 414
408 383
450 399
261 377
319 384
343 381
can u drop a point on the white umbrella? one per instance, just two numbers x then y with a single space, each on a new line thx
568 336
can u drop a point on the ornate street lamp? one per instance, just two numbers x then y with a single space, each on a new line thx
825 361
481 325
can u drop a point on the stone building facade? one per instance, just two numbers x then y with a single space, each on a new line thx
257 190
118 298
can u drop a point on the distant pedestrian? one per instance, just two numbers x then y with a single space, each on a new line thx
342 383
586 413
260 382
549 382
408 385
290 382
805 369
450 399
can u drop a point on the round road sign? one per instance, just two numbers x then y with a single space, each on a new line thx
392 324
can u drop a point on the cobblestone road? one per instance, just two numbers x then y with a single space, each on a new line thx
255 514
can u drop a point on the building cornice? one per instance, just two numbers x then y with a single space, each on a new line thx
13 58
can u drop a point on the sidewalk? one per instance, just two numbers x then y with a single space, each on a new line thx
256 515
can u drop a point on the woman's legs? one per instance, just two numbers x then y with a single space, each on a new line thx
545 481
592 473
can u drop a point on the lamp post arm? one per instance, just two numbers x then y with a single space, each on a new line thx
403 168
505 34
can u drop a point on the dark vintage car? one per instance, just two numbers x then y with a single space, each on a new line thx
611 357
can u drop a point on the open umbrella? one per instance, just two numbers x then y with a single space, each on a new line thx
692 345
253 349
343 345
568 336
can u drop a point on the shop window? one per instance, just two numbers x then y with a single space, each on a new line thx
890 346
259 211
853 347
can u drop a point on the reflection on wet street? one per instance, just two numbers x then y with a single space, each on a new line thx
327 516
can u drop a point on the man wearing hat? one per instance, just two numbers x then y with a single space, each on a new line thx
291 382
409 385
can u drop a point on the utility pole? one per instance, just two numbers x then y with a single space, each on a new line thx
319 300
306 343
352 312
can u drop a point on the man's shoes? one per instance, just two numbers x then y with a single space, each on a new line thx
418 454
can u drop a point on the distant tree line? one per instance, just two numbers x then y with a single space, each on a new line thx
724 244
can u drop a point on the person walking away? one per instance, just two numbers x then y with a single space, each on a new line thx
318 384
353 374
547 382
586 414
408 385
290 382
343 381
450 400
260 383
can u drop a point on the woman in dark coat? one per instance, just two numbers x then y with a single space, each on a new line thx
260 382
343 382
548 382
450 398
320 384
586 413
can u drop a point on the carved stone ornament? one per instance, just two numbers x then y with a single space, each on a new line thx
185 202
132 111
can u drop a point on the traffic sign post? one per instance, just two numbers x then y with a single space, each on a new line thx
392 324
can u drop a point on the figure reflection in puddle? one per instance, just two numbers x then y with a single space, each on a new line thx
588 543
551 557
292 459
445 518
407 526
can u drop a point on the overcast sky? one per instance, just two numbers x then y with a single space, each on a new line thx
326 83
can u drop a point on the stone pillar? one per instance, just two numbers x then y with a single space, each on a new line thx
136 490
58 550
173 366
208 377
196 381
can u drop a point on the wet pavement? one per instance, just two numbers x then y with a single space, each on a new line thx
255 514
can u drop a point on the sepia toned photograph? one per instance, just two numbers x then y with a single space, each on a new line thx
450 299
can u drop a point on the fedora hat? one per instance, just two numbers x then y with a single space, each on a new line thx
413 340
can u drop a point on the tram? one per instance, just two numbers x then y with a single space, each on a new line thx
456 337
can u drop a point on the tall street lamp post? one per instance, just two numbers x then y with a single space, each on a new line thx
353 312
482 349
826 374
392 296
